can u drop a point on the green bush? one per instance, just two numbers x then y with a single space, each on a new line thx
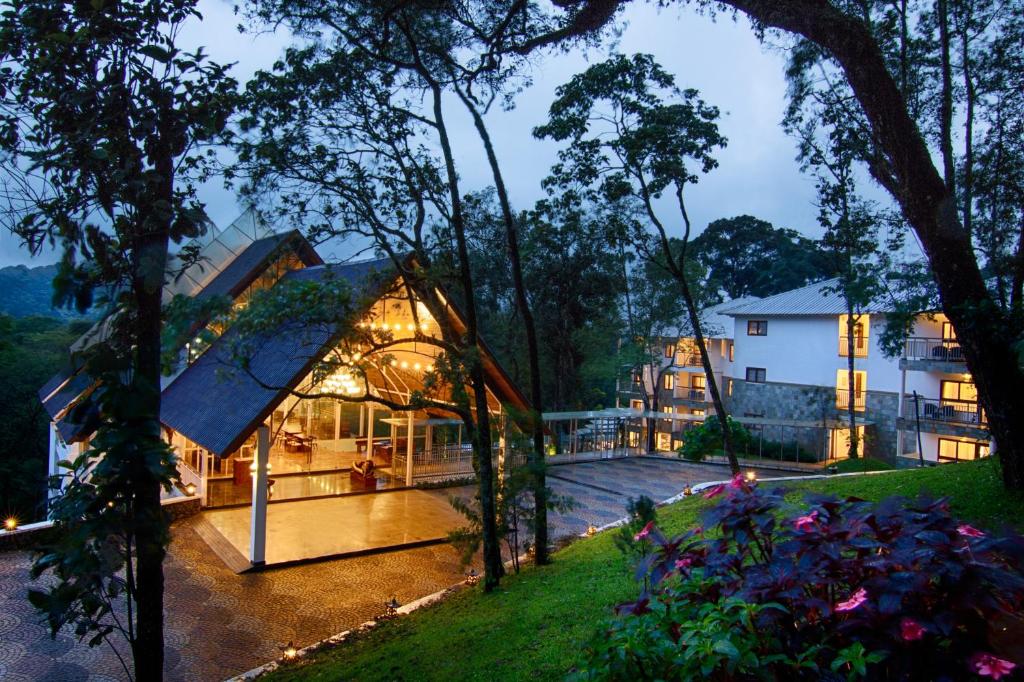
706 439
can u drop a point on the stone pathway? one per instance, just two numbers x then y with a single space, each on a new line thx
220 624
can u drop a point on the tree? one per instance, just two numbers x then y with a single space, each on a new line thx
32 349
334 142
427 47
655 317
632 137
901 162
747 256
102 121
574 289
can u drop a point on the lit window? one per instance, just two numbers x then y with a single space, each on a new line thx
961 450
698 413
667 409
843 393
860 336
637 404
757 327
669 382
756 374
732 351
670 350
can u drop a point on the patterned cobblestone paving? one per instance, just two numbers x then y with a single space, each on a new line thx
219 624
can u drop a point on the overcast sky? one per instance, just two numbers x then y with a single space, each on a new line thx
757 174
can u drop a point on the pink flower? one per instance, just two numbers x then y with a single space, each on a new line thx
737 482
969 531
712 493
855 600
806 522
685 562
911 630
988 665
645 532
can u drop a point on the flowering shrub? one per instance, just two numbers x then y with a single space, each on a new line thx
841 589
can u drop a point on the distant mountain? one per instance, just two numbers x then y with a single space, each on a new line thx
28 291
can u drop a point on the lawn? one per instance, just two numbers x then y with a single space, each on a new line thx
537 623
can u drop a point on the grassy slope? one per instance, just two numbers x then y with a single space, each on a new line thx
537 622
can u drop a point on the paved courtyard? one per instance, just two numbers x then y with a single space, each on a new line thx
340 525
219 624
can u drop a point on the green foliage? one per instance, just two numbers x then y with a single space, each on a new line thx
694 638
631 538
32 350
706 439
28 291
98 513
746 256
515 516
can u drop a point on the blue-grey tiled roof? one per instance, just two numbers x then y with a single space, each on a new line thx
217 405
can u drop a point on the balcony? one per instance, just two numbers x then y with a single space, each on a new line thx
688 394
946 411
688 359
860 346
925 353
844 395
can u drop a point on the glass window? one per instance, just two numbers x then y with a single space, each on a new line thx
732 351
670 350
757 327
756 374
324 419
959 390
637 404
948 333
697 381
961 450
669 382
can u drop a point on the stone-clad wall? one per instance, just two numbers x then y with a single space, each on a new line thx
772 400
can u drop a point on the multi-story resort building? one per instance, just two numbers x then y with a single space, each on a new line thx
781 363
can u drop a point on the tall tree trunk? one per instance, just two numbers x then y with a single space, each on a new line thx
537 465
711 382
493 567
150 523
851 380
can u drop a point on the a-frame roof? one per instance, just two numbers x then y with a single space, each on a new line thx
217 405
228 277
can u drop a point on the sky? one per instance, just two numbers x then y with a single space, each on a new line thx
757 175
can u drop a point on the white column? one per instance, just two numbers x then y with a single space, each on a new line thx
408 449
369 431
204 474
258 526
899 412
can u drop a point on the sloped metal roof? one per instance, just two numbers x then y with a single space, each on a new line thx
813 299
217 405
716 324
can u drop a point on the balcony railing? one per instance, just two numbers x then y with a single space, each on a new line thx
922 348
945 410
844 395
688 359
860 346
687 393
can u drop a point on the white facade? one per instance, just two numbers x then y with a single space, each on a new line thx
779 347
